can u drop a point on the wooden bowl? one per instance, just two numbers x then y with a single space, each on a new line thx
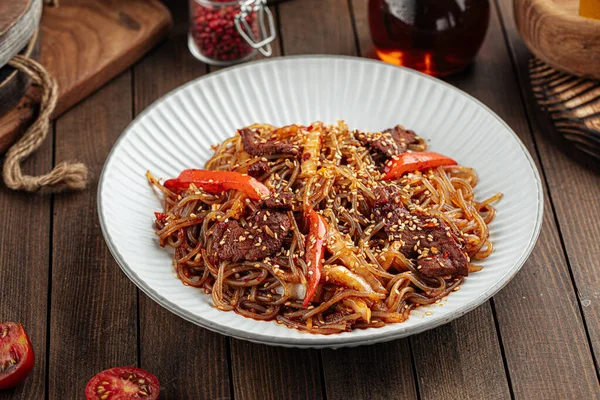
555 33
19 19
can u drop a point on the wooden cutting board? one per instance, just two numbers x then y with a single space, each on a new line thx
84 44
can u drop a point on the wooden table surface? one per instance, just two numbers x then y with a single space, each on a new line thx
539 338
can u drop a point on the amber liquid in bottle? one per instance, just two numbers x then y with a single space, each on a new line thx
437 37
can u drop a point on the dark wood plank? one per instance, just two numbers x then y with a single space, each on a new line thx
93 321
192 362
24 272
360 19
574 184
316 27
381 371
541 328
461 359
272 373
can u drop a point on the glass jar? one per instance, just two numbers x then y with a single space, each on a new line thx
437 37
225 32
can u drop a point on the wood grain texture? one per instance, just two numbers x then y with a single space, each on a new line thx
316 27
271 373
542 330
575 189
554 32
380 371
361 27
19 19
191 362
88 42
573 104
543 335
24 273
461 359
11 13
93 321
85 43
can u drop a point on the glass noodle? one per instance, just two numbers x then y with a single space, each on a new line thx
338 182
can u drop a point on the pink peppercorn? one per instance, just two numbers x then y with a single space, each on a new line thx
215 37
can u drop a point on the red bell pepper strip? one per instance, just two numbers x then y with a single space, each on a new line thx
417 161
315 251
217 182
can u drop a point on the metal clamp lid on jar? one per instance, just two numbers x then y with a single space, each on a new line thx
248 7
263 43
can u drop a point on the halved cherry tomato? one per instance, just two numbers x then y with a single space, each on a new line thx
123 383
217 182
16 355
417 161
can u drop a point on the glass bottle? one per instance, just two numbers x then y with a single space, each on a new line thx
225 32
437 37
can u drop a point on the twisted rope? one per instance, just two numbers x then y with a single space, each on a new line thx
63 176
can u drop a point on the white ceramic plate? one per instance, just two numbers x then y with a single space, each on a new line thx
176 133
